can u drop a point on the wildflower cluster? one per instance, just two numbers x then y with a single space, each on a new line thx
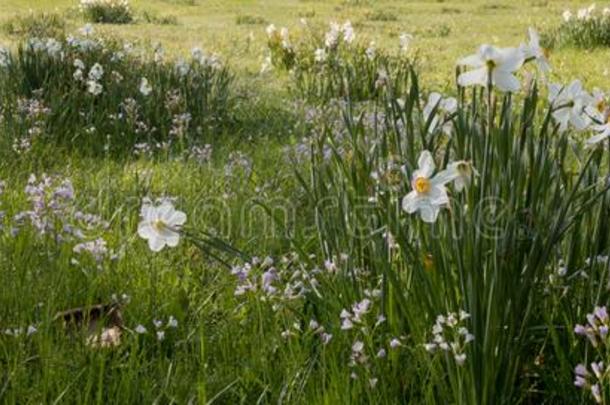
591 381
429 193
596 330
106 11
497 66
160 328
450 335
364 324
161 224
284 281
54 214
282 52
584 28
120 80
572 106
321 64
18 332
31 114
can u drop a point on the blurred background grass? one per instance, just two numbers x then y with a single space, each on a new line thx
443 30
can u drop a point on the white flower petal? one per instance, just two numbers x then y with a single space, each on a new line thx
156 244
448 175
426 164
510 59
505 81
579 121
411 202
172 240
145 230
534 38
473 78
594 140
438 195
474 60
429 213
175 218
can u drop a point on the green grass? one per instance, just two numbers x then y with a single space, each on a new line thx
213 25
293 180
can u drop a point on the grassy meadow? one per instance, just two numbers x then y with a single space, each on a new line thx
196 207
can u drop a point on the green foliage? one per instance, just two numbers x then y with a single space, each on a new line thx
40 25
382 15
188 100
324 71
337 295
534 199
250 20
590 31
107 11
152 18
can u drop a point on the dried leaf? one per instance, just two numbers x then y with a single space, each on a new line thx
102 324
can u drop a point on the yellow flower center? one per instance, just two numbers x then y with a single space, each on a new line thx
601 106
159 225
429 262
490 64
464 169
546 52
422 185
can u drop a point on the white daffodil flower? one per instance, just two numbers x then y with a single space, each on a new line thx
348 32
405 41
271 30
598 106
96 72
160 225
429 193
94 87
461 173
445 107
603 132
331 38
495 65
570 103
320 55
145 87
533 51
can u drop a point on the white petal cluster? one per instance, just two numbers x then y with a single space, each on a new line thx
495 66
429 193
449 334
145 87
439 110
160 225
570 103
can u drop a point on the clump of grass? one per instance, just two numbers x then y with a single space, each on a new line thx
243 19
383 15
531 196
450 10
307 13
152 18
587 29
41 25
496 6
101 95
438 31
107 11
355 3
332 65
